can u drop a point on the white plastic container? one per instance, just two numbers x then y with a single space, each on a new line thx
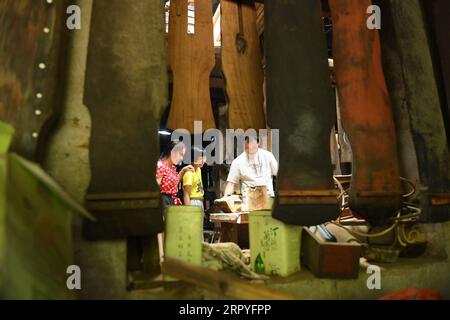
274 245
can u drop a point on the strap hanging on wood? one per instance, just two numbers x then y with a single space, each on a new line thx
241 43
191 58
33 38
242 70
125 92
300 104
366 112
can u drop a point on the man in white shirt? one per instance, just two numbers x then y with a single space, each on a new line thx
255 167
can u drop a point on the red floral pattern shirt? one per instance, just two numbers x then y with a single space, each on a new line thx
170 180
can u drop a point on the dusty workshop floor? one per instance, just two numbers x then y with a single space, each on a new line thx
105 274
405 273
425 272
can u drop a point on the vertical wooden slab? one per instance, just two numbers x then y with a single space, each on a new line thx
191 59
366 112
437 14
300 104
32 49
125 92
242 70
412 81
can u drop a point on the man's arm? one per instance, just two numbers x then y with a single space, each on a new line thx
273 164
233 178
229 189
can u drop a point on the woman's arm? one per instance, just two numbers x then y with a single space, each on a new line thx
184 170
159 173
159 179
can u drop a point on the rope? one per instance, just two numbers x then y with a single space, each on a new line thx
367 235
399 218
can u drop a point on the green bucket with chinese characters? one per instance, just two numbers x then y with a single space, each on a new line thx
183 234
274 245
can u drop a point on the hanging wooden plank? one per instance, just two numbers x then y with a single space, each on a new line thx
125 92
191 59
366 112
33 38
437 13
300 104
416 101
259 18
242 66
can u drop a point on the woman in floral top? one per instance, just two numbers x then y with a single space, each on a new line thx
167 176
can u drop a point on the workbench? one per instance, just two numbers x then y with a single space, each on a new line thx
233 227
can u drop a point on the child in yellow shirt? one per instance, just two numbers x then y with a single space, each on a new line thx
192 181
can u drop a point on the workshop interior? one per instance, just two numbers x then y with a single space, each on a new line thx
224 149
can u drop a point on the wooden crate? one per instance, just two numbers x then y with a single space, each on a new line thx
330 259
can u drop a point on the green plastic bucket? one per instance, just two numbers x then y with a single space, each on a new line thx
274 245
183 235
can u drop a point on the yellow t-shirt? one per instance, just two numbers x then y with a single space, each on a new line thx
194 179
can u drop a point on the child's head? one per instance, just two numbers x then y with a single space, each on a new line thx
198 156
